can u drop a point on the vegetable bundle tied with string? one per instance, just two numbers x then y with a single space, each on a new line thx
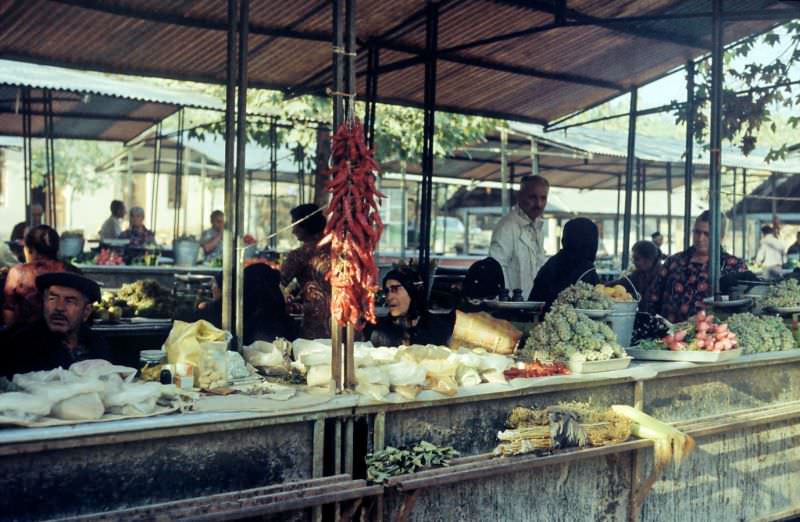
354 226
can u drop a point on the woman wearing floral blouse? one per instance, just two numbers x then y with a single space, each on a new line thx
683 283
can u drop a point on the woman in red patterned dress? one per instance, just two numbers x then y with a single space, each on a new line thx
22 302
310 265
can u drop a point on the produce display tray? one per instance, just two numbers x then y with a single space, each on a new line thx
784 309
594 314
731 303
599 366
699 356
514 305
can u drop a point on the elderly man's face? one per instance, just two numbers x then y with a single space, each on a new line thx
532 198
65 309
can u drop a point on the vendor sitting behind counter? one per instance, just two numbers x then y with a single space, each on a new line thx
409 321
62 336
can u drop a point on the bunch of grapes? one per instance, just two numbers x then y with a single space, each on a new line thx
761 334
566 334
585 296
785 294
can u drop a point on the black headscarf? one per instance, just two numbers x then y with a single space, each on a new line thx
571 263
412 283
484 280
265 316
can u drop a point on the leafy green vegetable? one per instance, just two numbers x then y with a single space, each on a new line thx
391 461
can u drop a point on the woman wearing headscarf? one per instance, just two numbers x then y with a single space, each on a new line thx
265 316
573 263
409 321
22 302
310 265
484 280
646 266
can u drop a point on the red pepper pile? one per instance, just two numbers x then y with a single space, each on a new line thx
354 226
537 369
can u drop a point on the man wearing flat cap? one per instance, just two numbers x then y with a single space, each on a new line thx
62 336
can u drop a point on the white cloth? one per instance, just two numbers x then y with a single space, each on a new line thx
772 256
111 229
518 245
771 253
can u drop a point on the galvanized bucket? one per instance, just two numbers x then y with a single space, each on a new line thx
70 246
185 252
623 317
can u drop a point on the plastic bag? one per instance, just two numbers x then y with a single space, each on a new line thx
494 377
495 362
384 355
263 354
86 406
99 368
183 345
405 373
302 346
213 367
374 375
237 369
134 399
319 375
24 406
483 330
468 376
373 391
469 358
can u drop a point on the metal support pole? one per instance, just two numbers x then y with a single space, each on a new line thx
273 183
638 201
715 148
773 187
504 196
630 165
643 189
733 213
373 64
156 178
338 64
403 211
669 208
27 152
241 169
431 44
616 220
688 168
744 213
228 241
534 157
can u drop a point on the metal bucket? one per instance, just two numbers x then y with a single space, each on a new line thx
622 319
70 246
185 252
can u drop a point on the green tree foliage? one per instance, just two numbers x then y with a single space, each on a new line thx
75 162
752 92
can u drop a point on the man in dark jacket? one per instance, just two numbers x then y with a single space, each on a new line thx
62 336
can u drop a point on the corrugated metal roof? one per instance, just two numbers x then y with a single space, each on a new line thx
88 105
538 77
587 158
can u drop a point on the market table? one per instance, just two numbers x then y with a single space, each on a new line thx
114 276
742 468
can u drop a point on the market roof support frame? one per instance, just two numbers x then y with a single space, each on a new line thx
229 257
27 153
630 165
733 212
715 149
669 208
241 168
431 44
688 169
744 213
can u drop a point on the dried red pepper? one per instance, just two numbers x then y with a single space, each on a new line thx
354 226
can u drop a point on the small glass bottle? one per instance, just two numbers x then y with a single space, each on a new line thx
517 295
504 294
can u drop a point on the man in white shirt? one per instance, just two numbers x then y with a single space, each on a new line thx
770 254
112 227
518 239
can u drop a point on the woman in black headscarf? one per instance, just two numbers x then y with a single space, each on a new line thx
265 316
573 263
409 321
484 280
